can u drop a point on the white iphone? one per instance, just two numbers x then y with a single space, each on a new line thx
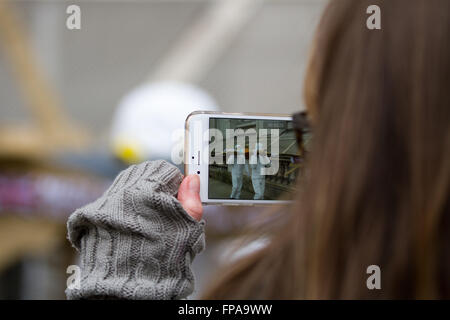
243 158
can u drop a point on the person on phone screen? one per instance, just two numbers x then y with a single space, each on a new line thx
258 161
237 172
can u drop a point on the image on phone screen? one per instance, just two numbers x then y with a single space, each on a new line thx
260 159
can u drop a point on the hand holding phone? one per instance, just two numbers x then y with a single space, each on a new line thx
189 196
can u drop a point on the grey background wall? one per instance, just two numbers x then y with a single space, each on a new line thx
122 42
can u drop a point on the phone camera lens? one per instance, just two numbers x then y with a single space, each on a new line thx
192 157
198 172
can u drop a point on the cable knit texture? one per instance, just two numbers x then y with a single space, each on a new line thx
136 241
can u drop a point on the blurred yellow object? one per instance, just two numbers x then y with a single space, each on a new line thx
128 152
149 121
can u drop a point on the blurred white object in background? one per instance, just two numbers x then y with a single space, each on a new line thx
148 118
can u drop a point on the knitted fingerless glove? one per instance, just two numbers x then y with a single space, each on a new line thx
136 241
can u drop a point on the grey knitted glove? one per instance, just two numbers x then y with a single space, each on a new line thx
136 241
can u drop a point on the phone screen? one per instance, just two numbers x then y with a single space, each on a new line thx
254 159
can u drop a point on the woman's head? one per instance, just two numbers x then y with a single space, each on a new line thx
380 167
377 190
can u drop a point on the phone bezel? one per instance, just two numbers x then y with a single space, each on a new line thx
192 166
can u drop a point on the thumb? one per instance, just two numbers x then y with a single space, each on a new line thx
189 196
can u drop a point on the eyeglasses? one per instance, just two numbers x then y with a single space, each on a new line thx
301 127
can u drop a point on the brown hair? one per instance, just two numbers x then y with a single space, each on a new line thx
377 190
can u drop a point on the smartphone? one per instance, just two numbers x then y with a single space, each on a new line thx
244 158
